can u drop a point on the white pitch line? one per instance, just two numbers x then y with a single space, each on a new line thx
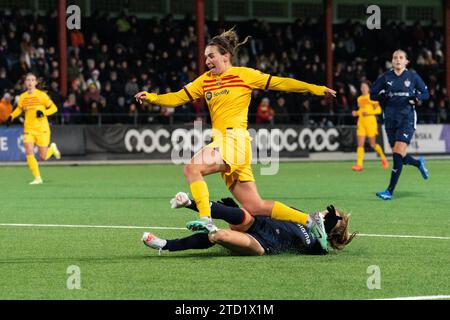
419 298
402 236
82 226
30 225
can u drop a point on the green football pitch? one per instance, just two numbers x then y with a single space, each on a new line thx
403 249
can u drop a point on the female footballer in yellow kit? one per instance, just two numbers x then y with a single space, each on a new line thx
367 126
227 91
37 105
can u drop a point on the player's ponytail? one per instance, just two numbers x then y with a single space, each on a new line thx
339 236
228 41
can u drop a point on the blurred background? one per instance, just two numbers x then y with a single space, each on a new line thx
125 46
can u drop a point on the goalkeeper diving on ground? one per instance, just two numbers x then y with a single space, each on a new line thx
256 236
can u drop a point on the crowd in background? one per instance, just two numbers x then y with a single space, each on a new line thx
112 58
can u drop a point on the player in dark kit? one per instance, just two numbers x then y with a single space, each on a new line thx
399 90
259 235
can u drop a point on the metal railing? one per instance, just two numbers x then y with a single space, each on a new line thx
309 119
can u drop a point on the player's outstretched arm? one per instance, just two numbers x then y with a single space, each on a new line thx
293 85
172 99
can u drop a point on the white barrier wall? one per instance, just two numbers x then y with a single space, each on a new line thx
428 138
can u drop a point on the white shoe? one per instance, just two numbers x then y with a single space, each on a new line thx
56 152
152 241
37 180
181 200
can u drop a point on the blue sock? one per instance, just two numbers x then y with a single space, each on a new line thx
411 161
195 241
231 215
396 171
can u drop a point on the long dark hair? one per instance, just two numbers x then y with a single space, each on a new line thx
339 236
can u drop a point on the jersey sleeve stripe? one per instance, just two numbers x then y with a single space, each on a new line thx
268 82
188 94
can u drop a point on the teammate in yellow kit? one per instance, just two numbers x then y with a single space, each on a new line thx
227 91
37 105
367 126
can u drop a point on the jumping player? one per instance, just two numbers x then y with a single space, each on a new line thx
367 126
399 90
227 91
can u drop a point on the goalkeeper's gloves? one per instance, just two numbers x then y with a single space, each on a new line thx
39 114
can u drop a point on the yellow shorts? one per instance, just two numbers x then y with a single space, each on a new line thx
235 149
41 139
367 130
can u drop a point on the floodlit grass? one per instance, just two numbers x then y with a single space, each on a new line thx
114 263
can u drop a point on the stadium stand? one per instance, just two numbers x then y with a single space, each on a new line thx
111 58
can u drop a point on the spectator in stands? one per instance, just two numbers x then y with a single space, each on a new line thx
94 80
5 107
281 113
265 113
70 108
5 83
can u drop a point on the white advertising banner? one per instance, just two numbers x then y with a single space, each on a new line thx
428 138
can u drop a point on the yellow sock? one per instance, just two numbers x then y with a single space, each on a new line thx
50 152
379 151
200 193
284 213
33 164
360 156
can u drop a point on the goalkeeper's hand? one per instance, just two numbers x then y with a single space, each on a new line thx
39 114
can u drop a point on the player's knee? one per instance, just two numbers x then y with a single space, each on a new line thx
256 208
221 236
190 169
42 157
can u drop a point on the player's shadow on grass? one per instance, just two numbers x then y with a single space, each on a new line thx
398 195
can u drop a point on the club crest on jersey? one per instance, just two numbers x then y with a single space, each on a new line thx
219 82
407 83
208 95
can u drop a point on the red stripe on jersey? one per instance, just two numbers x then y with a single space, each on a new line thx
221 79
188 94
268 82
229 86
215 85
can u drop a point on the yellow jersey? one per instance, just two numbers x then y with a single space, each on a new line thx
368 107
38 100
228 95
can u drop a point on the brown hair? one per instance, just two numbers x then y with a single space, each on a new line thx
40 83
227 41
339 236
